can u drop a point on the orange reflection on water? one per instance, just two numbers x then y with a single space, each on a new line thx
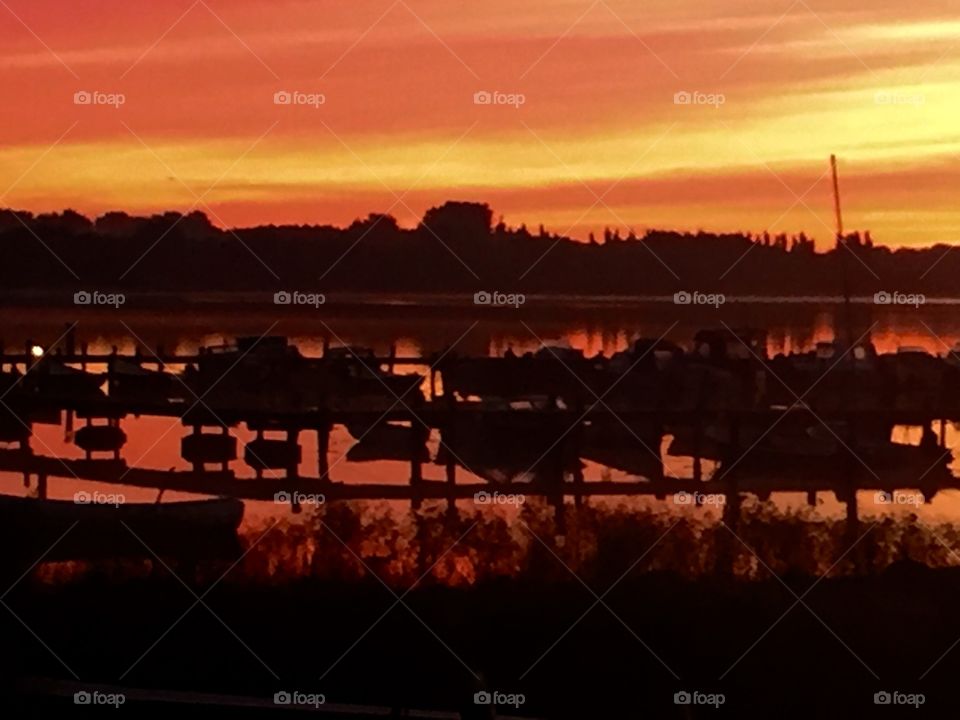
155 442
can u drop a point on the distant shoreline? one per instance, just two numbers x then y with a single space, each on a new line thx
456 251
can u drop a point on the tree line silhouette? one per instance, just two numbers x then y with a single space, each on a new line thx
456 248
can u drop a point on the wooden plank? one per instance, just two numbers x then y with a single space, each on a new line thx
227 484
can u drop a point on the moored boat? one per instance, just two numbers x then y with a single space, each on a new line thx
353 374
253 373
53 378
129 380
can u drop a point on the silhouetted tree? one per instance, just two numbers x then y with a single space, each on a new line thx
118 224
377 225
195 255
460 220
196 225
69 221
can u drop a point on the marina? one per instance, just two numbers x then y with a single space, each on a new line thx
819 421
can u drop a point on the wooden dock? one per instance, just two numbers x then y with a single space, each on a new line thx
559 475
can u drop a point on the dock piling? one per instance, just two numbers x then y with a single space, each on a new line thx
323 450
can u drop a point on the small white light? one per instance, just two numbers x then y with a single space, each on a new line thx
36 351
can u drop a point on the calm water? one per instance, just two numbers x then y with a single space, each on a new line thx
155 442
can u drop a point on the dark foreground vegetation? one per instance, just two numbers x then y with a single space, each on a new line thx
374 609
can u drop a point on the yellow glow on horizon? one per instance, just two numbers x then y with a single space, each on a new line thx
877 89
894 123
938 30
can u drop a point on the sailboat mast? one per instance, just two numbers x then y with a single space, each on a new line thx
836 197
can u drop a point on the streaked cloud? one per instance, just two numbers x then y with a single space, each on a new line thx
878 86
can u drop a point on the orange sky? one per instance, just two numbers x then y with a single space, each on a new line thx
399 130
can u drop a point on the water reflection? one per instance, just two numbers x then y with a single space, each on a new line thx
155 442
789 329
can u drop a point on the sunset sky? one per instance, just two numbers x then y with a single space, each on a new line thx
598 141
